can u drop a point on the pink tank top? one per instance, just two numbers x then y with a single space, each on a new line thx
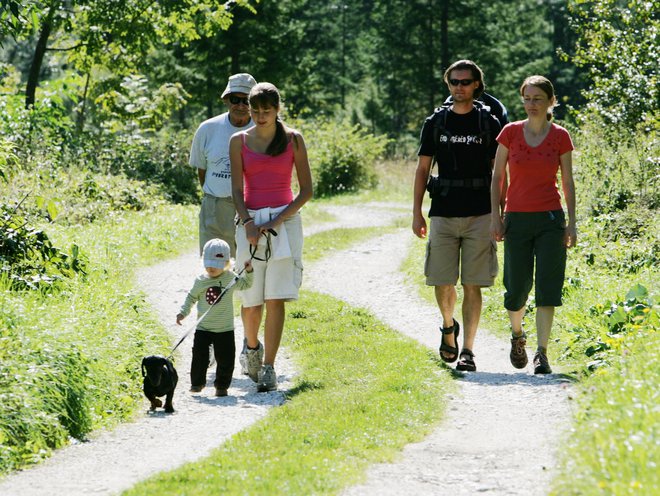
267 179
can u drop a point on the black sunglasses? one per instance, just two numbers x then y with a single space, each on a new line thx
235 100
462 82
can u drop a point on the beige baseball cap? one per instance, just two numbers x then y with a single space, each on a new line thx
239 83
216 253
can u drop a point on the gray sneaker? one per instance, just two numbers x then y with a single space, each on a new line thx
255 359
267 379
243 358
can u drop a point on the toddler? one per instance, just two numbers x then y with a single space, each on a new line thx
217 326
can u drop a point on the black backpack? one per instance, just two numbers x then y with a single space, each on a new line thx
439 118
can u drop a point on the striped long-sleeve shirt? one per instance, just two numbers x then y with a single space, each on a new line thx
205 291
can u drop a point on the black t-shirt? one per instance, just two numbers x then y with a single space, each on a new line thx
468 156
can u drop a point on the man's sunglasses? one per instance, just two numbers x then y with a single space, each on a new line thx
462 82
235 100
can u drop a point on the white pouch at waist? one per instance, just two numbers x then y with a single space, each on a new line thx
280 247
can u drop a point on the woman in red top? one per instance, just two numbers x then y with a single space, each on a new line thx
533 224
262 161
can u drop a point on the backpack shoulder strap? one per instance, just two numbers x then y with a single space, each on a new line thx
439 119
485 121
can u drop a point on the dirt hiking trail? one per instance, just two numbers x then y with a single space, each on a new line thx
499 437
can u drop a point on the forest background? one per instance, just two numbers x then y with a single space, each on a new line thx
99 101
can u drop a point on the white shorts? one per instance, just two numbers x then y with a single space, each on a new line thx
273 279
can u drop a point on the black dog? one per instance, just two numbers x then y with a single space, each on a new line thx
160 379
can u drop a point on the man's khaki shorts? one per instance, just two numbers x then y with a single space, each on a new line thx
217 219
460 243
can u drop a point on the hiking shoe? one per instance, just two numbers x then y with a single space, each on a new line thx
220 392
518 355
196 389
541 365
267 379
243 359
255 359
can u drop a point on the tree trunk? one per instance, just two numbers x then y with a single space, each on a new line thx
80 120
444 38
38 57
431 57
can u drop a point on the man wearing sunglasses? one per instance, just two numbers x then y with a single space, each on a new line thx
496 107
461 139
210 155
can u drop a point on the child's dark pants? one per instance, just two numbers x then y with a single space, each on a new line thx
224 349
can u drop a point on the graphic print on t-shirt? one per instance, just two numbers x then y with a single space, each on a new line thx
469 139
212 294
221 168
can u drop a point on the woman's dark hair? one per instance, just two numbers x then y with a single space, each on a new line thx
477 74
266 95
544 84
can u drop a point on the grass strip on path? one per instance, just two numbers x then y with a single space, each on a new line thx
364 391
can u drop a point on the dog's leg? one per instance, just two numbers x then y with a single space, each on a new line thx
155 403
168 402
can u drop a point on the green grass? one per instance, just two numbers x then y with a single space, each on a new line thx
614 444
69 360
363 393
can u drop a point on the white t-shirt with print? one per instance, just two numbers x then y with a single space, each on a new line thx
210 151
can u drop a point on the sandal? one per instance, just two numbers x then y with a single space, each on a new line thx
466 363
455 330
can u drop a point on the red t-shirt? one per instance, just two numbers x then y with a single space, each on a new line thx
533 170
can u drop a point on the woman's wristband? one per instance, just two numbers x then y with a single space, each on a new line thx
247 221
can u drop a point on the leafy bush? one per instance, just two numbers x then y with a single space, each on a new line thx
342 157
8 158
615 175
51 151
618 45
615 327
158 160
28 258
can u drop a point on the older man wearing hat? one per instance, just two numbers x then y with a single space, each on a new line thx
210 155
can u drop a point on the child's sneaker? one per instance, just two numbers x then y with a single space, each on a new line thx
243 358
267 379
255 359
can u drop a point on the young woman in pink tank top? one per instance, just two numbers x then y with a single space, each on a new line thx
269 228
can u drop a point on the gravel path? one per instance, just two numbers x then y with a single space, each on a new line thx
502 428
499 437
